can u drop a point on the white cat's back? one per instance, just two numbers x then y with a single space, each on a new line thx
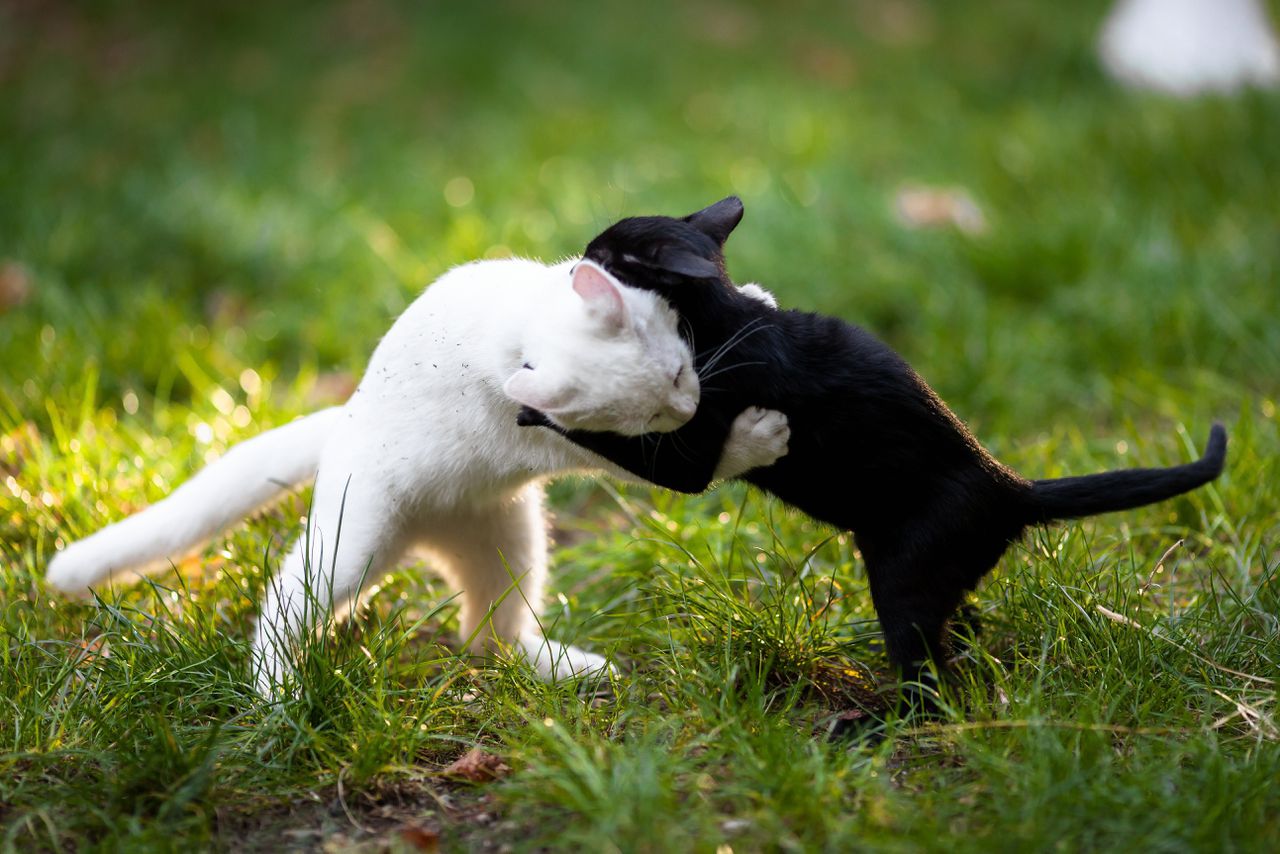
430 412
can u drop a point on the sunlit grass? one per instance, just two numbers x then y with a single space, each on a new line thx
216 211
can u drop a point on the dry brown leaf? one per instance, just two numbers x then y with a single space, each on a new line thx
15 285
419 838
827 63
727 24
939 207
225 307
478 766
98 647
899 23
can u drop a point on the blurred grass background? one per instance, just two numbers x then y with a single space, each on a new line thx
209 213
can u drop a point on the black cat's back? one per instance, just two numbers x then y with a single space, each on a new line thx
873 449
871 442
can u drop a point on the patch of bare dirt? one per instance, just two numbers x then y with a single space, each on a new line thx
430 813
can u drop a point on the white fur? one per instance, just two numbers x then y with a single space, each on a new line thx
1185 47
426 457
758 438
754 291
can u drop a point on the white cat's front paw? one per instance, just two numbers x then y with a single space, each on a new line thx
555 661
768 432
274 674
758 438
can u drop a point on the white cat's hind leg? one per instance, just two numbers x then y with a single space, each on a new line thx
497 559
353 535
554 661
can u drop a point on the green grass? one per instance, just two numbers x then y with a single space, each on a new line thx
218 208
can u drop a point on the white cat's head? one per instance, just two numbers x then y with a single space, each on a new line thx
613 362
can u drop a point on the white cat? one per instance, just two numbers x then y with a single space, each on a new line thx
426 457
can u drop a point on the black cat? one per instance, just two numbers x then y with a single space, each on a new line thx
873 449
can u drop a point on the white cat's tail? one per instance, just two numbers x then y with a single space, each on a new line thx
249 476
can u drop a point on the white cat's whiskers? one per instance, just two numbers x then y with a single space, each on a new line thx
686 331
653 459
730 341
756 325
728 368
651 444
681 446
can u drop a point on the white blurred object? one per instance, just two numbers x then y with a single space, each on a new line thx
1186 47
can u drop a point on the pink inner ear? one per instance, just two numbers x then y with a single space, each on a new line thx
599 292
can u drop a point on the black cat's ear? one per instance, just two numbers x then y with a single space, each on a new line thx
686 263
719 220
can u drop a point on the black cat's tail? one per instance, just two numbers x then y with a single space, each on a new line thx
1074 497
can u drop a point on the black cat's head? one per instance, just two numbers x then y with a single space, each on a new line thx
662 253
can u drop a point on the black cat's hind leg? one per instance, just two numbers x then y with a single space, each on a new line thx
914 599
914 603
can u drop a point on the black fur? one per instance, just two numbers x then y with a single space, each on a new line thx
873 449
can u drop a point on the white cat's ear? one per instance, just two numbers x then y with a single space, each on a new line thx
600 292
527 388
